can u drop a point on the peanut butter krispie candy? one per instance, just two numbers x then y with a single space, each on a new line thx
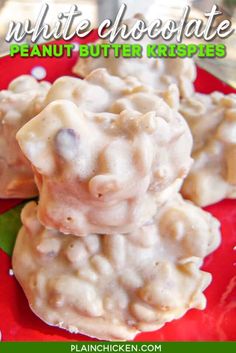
212 119
115 286
106 156
156 72
23 99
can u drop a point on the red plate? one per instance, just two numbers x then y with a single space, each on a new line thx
216 323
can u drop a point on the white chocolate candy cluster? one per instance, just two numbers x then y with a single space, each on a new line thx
111 249
212 119
158 73
115 286
107 155
23 100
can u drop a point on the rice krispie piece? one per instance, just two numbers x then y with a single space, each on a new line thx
212 120
106 155
115 286
22 100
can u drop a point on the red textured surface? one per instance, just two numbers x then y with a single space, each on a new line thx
217 322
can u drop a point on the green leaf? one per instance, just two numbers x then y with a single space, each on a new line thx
10 224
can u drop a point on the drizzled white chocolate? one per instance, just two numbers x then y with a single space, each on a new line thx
106 156
115 286
212 119
22 101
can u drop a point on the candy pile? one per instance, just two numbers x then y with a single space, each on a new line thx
111 248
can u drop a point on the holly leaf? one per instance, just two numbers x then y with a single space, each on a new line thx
10 224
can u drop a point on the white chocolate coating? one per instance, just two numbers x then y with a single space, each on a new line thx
158 73
105 165
113 287
212 120
22 101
